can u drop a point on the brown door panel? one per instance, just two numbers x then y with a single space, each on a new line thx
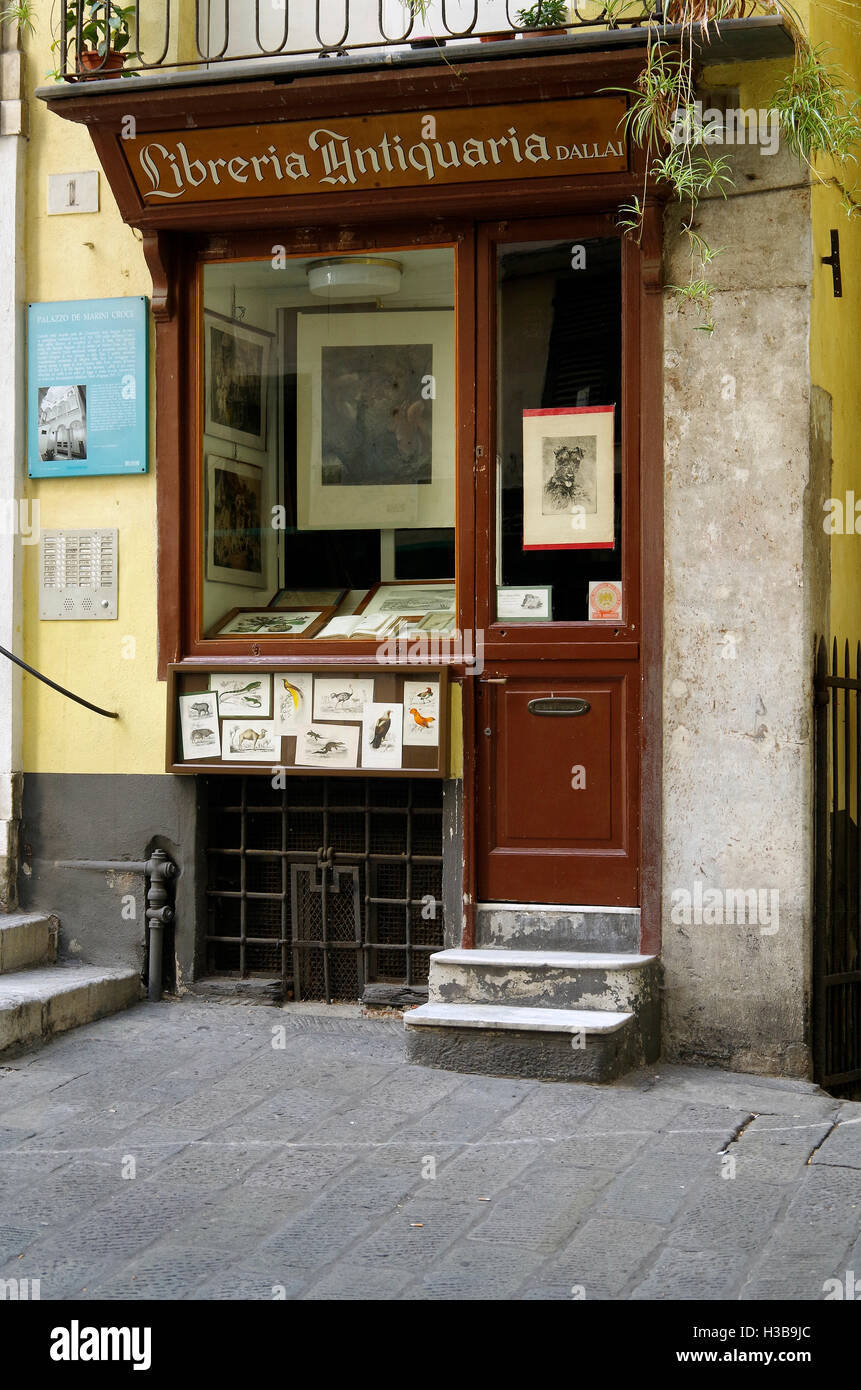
556 819
542 759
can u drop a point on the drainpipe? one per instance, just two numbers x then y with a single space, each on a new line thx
159 914
159 870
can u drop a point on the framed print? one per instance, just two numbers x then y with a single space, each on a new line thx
198 722
242 693
234 522
271 622
327 745
236 376
376 420
339 696
533 604
568 478
382 735
293 697
250 740
410 597
312 598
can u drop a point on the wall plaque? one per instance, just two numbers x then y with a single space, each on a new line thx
87 407
412 149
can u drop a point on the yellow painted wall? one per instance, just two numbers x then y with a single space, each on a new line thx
88 256
835 335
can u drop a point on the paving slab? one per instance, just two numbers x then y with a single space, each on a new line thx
331 1169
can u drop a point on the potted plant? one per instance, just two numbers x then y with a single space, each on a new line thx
105 33
546 17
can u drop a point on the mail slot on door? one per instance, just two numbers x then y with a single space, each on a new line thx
559 705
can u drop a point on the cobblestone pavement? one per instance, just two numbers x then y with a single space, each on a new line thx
173 1152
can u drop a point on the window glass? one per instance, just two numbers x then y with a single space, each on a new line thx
328 461
558 502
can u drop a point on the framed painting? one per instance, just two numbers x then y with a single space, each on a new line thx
236 377
376 420
568 478
234 522
271 622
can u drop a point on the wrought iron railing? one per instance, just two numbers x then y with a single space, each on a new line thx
155 34
837 892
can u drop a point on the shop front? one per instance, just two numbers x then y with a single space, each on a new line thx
407 455
412 387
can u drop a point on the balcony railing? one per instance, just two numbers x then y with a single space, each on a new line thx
184 34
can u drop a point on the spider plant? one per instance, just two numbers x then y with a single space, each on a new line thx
818 118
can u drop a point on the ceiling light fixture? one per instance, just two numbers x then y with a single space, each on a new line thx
354 277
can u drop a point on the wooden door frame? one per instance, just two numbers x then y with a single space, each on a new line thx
642 442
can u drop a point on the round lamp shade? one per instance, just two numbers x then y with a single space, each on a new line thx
354 277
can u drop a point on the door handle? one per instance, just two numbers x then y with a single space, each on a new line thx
559 705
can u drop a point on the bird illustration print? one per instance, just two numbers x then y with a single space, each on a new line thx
425 695
294 694
422 721
381 728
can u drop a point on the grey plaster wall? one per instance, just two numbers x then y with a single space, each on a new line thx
745 592
98 817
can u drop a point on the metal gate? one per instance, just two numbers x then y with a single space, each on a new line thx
837 905
330 885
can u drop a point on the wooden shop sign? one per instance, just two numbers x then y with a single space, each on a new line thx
401 150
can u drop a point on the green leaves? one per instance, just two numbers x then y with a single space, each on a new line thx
105 27
549 14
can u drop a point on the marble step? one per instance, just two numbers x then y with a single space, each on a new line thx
37 1004
544 979
557 927
26 939
545 1044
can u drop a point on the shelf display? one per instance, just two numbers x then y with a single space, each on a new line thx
378 721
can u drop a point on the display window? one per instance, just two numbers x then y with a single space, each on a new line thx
327 472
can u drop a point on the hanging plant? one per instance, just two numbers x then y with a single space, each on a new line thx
817 116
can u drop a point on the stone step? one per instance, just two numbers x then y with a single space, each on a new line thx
26 939
557 927
545 1044
616 981
36 1004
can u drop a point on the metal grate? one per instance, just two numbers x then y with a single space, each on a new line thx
837 899
329 884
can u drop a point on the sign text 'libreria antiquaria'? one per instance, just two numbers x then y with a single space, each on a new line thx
529 140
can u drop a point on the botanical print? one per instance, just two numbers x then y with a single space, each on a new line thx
382 735
198 720
266 622
570 473
241 693
248 740
377 414
327 745
343 696
421 713
293 696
